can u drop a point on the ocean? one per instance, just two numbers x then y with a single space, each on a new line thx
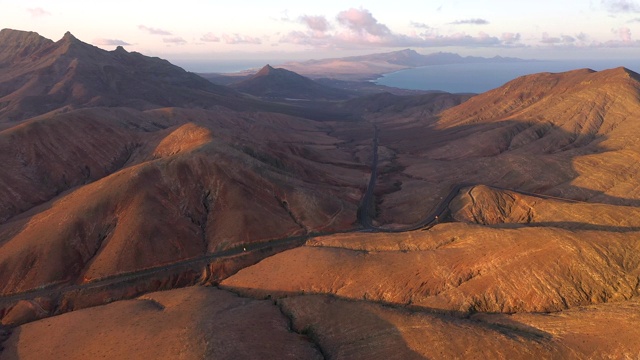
481 77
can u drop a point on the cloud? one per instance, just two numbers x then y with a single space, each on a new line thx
154 31
315 23
348 40
636 20
621 6
582 37
419 25
470 22
110 42
625 34
562 39
582 40
361 21
38 12
510 38
174 40
358 27
234 39
210 37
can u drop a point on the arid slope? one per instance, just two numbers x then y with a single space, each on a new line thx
572 135
526 289
191 323
210 181
536 256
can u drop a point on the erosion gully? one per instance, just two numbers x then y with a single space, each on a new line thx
198 270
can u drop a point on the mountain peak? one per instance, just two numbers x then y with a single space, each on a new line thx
273 82
266 70
618 74
408 52
68 37
626 72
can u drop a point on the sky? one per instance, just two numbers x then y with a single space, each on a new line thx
217 31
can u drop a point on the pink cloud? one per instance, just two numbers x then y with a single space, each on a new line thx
315 23
153 31
174 40
210 37
358 27
510 38
625 34
110 42
234 39
38 12
361 21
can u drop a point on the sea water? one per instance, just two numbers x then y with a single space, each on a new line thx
481 77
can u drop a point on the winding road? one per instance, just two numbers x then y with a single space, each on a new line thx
367 205
364 217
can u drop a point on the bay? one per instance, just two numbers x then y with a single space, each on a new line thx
481 77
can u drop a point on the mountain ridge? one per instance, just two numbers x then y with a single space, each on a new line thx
372 66
526 201
531 93
270 82
68 73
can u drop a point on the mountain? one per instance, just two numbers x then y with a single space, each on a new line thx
122 143
411 58
529 266
16 46
561 134
38 76
284 84
500 225
366 67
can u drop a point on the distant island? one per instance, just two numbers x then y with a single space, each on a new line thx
370 67
356 72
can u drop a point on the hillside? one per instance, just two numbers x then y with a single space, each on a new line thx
284 84
572 135
45 76
146 213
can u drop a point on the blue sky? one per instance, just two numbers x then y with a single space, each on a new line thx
282 29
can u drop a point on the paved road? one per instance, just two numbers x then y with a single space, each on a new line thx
366 210
57 289
365 213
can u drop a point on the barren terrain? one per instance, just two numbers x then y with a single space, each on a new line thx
146 213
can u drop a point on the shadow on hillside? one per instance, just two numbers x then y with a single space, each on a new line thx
569 225
375 328
528 156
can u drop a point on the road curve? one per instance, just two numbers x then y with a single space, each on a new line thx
367 206
364 217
